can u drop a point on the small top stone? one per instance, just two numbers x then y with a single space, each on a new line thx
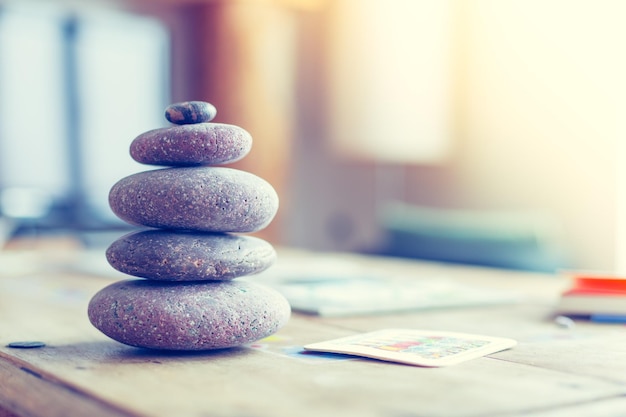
190 112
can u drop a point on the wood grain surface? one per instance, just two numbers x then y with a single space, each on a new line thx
553 371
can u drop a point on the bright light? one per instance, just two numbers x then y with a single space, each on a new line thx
390 79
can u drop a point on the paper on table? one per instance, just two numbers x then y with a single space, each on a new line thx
416 347
369 295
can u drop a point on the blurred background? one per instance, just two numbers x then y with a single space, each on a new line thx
486 132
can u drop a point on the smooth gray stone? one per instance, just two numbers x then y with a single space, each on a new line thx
177 256
188 316
205 199
191 145
188 112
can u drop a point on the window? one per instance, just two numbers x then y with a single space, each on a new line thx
75 90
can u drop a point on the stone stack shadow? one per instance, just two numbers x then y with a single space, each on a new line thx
194 246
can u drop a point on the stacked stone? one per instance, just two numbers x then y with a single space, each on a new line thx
189 297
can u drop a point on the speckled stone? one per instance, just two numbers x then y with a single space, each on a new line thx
187 316
178 256
189 112
189 145
205 199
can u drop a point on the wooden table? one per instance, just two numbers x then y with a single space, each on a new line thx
554 370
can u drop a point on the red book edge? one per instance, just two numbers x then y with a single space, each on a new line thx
598 282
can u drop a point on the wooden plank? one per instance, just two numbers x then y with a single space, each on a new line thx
592 350
273 377
586 349
277 383
608 408
25 391
583 349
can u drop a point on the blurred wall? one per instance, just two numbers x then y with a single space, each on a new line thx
241 57
540 113
537 93
529 118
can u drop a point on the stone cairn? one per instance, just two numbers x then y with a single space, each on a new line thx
197 214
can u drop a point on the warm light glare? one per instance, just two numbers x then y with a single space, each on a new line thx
390 79
543 83
519 102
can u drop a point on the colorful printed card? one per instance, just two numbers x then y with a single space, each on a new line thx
416 347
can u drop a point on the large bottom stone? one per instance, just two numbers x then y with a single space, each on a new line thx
188 316
179 256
